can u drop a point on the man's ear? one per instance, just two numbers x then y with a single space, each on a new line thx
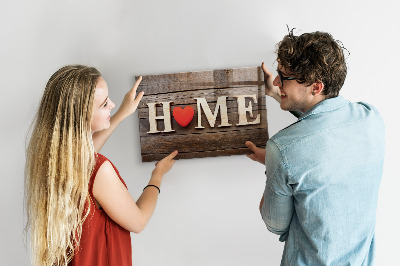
317 88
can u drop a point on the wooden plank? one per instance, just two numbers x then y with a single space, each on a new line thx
191 155
197 80
203 142
191 128
188 97
143 111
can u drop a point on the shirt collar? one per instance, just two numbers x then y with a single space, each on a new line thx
325 106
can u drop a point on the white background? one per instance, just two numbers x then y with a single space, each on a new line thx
208 208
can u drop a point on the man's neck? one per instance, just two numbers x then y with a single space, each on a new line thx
316 100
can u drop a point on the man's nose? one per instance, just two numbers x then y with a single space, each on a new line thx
277 81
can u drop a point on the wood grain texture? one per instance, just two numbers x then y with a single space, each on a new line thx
182 89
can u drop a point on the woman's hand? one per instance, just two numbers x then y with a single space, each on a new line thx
270 89
163 166
131 101
128 107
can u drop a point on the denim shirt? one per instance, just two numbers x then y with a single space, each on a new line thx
323 175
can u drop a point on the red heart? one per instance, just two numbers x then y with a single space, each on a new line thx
183 116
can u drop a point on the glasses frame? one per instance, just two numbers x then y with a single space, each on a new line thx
282 78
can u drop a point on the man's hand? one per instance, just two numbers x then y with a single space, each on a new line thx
270 89
258 155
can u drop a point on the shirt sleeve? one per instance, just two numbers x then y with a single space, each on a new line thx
277 209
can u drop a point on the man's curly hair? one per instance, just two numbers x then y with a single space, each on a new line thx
314 57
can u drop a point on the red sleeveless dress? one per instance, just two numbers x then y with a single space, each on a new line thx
103 241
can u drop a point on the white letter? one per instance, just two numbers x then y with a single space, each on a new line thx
153 117
221 103
242 110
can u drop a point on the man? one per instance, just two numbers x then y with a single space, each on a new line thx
323 171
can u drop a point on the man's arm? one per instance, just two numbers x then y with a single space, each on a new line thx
276 206
128 107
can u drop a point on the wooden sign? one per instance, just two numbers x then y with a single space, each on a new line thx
202 114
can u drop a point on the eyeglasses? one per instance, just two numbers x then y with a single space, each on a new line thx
282 78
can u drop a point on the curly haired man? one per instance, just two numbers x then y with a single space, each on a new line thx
323 171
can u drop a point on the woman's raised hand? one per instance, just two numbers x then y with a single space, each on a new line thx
131 101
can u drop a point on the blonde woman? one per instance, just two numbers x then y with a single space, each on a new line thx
78 207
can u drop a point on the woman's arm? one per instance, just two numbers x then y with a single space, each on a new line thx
116 201
128 107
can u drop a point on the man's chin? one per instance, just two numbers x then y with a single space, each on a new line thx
285 108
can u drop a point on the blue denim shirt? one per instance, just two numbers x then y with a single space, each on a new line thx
323 175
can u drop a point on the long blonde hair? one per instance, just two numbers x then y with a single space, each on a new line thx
59 161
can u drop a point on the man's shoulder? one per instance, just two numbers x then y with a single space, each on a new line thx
324 122
367 107
288 135
362 111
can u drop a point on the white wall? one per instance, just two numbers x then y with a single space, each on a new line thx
208 208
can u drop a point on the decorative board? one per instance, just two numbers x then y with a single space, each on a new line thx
202 113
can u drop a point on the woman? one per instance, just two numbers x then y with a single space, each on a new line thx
78 207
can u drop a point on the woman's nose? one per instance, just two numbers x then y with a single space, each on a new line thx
112 105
